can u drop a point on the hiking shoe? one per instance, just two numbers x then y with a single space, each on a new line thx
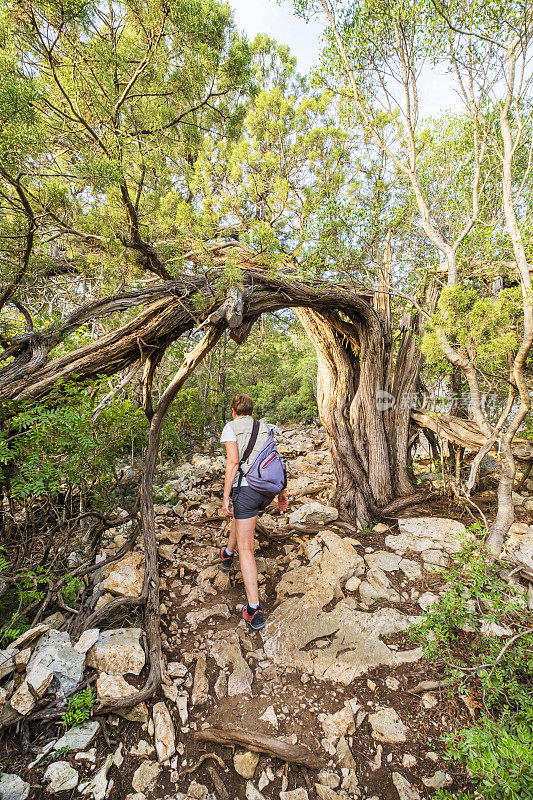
255 620
226 562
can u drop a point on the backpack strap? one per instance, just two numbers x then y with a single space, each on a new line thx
247 452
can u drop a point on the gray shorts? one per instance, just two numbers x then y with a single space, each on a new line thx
247 503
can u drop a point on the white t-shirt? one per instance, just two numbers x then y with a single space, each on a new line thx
229 435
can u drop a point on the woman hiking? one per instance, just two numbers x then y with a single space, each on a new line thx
251 453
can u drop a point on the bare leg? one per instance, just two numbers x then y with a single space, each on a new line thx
245 529
232 541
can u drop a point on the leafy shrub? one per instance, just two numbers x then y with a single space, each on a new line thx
79 708
498 747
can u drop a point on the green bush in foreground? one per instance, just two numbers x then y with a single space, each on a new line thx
498 748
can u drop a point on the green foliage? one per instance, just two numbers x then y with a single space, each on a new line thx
79 708
24 588
53 443
486 327
498 748
498 753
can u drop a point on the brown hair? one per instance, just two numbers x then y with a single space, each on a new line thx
242 404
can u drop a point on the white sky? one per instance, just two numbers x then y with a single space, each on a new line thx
277 20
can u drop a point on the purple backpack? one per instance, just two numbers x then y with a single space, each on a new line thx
267 473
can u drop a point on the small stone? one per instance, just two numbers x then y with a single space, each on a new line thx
245 763
201 684
353 584
252 793
294 794
270 716
176 669
404 788
12 787
408 760
387 726
330 779
438 780
61 777
380 528
371 685
39 679
29 636
181 705
426 600
142 748
78 738
311 513
432 756
393 684
165 736
145 776
429 700
22 658
87 640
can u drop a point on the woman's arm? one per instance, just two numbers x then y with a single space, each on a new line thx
232 466
283 501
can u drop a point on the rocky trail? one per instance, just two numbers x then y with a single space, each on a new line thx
328 701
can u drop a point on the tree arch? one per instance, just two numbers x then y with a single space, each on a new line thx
351 332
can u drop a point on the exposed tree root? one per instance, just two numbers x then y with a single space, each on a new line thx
260 743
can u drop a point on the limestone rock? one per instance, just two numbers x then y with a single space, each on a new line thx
61 777
326 793
200 687
381 559
404 788
343 755
353 584
438 780
39 679
411 569
354 638
409 760
377 587
338 724
116 687
145 776
87 640
427 600
117 652
313 512
333 560
520 545
225 648
295 794
245 763
387 726
55 652
96 786
269 715
29 636
330 779
12 787
252 793
165 736
125 578
142 748
195 618
489 628
175 669
78 738
418 534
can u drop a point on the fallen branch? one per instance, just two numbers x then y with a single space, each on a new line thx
427 686
259 743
